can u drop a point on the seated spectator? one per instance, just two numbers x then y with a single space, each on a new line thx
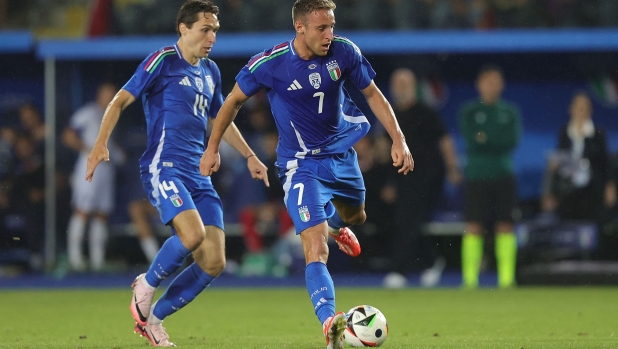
26 192
32 125
8 136
238 16
572 13
579 184
517 13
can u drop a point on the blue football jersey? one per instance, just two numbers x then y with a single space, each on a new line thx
177 98
313 112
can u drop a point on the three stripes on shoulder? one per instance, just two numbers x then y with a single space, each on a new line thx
185 81
294 86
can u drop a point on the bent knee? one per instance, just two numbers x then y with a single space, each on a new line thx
194 239
216 267
357 218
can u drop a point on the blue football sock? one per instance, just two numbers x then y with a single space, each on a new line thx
170 257
183 289
321 290
336 222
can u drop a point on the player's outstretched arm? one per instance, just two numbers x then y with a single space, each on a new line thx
211 160
383 111
100 152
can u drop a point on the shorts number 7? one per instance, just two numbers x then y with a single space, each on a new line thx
300 193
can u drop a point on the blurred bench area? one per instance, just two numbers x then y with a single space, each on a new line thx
54 54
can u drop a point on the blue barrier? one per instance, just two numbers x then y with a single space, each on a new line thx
375 42
16 41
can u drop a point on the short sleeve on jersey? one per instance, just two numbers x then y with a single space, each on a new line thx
361 73
250 79
247 81
147 72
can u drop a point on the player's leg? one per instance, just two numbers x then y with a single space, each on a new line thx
176 207
349 202
506 242
347 215
339 228
475 211
187 224
307 200
189 234
320 284
209 263
209 259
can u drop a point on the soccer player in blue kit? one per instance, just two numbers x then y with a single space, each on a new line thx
318 124
181 92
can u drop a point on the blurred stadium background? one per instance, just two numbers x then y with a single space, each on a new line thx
55 53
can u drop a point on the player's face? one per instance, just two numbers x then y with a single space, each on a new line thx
202 35
318 31
490 86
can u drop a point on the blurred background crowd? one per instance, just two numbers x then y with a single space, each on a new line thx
138 17
565 162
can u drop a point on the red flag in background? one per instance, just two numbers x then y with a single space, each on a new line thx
100 18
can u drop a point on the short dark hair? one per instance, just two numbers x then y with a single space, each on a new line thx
189 10
302 8
490 68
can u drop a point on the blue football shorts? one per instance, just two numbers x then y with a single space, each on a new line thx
310 185
173 190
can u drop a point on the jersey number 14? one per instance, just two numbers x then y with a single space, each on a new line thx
199 107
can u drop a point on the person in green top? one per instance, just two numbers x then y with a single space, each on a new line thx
491 129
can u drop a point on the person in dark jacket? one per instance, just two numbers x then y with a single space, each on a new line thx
580 181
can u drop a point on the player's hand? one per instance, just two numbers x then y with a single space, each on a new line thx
210 162
97 154
402 157
258 169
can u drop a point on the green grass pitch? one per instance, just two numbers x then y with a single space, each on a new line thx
283 318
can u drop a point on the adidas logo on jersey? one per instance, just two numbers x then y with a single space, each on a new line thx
185 81
294 86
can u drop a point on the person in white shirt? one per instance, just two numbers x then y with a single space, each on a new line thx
92 202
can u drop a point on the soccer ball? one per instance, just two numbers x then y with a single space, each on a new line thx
366 327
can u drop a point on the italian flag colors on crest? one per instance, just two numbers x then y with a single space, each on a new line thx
303 212
333 70
176 200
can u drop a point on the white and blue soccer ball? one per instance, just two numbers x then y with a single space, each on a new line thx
366 327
